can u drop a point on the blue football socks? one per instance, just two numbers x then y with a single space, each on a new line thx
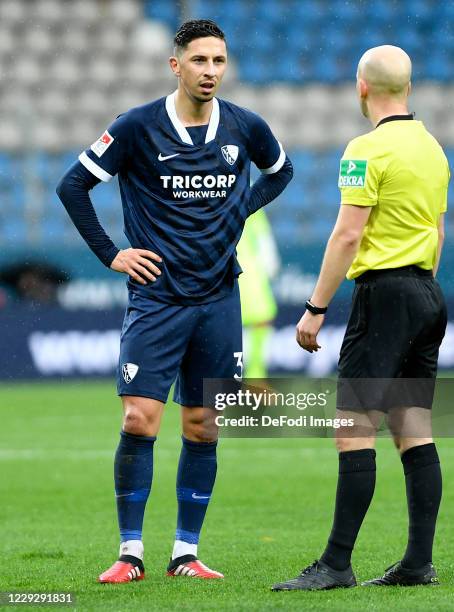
133 473
195 481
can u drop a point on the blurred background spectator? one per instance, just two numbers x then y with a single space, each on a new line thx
259 260
33 281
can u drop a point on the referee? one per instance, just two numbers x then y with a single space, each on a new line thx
388 237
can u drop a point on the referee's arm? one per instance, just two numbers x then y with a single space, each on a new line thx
441 239
340 252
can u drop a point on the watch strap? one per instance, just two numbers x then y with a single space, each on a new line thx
315 309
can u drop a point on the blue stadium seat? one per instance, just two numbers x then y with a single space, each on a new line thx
295 198
65 161
383 12
308 207
164 11
347 13
13 230
106 199
9 170
17 196
53 228
411 41
270 11
341 30
421 12
321 228
314 13
445 12
438 65
325 68
256 69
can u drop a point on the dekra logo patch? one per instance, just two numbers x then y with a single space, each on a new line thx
352 172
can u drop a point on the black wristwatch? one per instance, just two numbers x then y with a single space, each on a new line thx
315 310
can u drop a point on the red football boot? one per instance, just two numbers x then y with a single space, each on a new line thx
126 569
190 566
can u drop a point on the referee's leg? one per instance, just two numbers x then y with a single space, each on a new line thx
355 488
355 485
411 428
356 478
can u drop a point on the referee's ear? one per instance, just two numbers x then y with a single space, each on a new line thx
362 88
409 88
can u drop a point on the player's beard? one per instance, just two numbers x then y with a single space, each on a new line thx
196 96
202 100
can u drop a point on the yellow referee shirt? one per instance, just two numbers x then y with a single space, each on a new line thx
401 171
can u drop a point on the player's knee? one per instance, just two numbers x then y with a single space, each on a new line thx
407 443
344 444
137 419
352 443
200 430
135 422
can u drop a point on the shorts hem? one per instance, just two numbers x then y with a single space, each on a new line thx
147 394
188 404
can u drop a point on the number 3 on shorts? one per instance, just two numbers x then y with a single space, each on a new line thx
239 364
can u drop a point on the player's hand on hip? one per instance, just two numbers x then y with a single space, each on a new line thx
138 263
307 329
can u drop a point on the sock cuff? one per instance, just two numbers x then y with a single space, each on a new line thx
418 457
362 460
135 440
201 448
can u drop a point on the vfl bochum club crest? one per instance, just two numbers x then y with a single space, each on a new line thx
129 371
230 153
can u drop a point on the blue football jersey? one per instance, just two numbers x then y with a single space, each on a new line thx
185 191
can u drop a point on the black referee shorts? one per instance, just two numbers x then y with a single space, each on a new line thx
396 325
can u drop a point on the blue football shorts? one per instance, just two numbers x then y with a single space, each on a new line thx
162 343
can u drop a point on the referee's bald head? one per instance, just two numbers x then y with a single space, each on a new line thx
386 70
383 73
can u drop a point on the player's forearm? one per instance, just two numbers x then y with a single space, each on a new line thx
339 255
269 186
73 192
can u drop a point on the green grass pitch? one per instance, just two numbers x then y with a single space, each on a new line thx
270 514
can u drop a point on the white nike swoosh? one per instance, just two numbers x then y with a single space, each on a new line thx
195 496
124 495
163 158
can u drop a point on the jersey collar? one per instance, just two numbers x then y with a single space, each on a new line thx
182 131
396 118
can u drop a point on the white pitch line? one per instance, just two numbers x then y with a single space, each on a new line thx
31 454
28 454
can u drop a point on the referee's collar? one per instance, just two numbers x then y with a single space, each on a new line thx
408 117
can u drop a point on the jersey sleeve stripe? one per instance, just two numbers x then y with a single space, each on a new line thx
277 166
94 168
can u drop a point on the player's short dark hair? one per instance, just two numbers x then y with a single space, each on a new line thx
196 28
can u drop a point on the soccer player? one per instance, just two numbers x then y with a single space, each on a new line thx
259 260
388 237
183 164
